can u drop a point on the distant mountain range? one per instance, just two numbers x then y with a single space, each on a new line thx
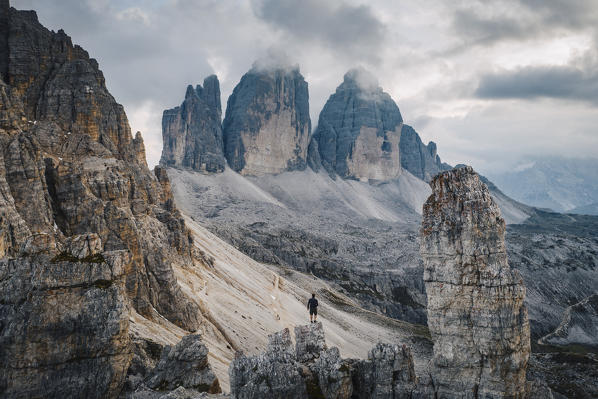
560 184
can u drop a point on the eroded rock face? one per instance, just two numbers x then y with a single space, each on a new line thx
64 327
476 314
358 131
313 371
419 159
192 132
185 365
75 190
267 123
273 374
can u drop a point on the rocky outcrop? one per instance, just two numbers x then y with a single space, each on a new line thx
313 371
192 132
86 229
185 365
267 123
358 131
419 159
476 314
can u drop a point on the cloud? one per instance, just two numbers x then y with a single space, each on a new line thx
353 31
561 82
275 58
490 22
576 80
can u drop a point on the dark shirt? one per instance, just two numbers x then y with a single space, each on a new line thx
312 303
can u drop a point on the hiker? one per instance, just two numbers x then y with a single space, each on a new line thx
312 306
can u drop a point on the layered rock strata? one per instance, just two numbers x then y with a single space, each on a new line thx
310 370
192 132
86 230
419 159
64 326
476 314
358 131
267 123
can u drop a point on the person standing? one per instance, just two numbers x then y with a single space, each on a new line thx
312 306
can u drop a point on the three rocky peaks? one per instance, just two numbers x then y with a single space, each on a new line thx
267 130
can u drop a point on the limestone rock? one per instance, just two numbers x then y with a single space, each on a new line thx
84 245
419 159
312 371
72 167
4 28
86 229
63 327
309 341
185 365
476 314
192 132
335 374
358 131
267 123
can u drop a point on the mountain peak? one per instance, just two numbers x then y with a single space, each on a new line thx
267 124
192 132
359 131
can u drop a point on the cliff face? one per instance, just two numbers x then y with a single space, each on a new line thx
358 131
419 159
192 133
476 314
86 230
267 124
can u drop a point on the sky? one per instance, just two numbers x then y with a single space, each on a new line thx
493 83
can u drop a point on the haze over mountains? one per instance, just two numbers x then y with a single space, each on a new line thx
561 184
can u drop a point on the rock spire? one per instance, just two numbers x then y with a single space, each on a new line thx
476 314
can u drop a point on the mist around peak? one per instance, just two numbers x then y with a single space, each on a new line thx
275 59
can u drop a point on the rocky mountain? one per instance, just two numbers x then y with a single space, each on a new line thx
88 234
192 132
559 184
416 157
358 131
267 124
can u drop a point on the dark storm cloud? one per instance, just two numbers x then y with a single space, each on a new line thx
351 30
563 82
490 23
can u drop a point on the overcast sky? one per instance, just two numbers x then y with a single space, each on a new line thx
492 82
